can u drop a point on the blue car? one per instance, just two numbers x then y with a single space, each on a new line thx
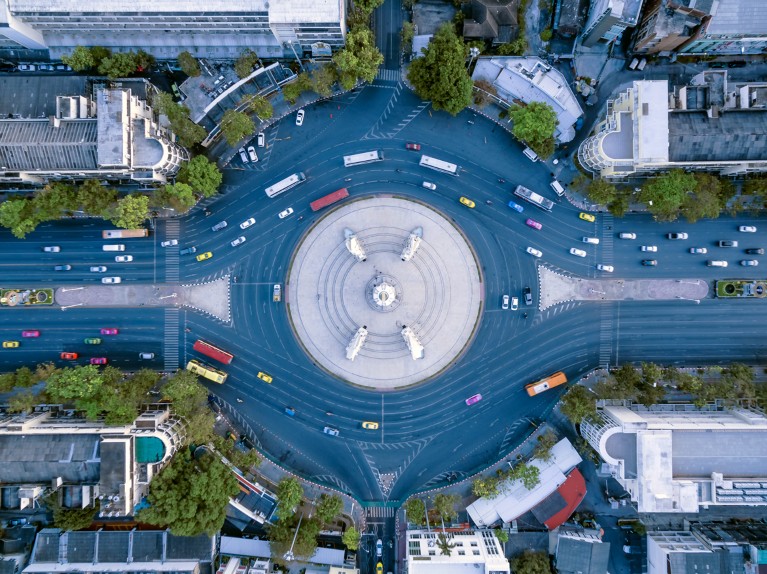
516 207
290 411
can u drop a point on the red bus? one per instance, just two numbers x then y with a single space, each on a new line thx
213 352
329 199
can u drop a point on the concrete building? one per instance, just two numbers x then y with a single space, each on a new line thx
147 552
82 462
581 551
217 29
608 19
472 551
494 21
708 125
724 27
551 505
527 80
678 458
113 135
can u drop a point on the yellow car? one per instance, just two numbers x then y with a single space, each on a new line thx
587 217
204 256
467 202
10 344
264 377
369 425
379 568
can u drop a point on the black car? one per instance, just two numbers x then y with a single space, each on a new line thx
649 262
755 251
528 296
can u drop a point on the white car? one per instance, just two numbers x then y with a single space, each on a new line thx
577 252
505 303
534 252
169 243
429 185
286 212
261 140
627 235
52 249
98 269
653 248
592 240
252 154
747 229
749 262
111 280
300 118
247 223
696 250
123 258
239 241
514 303
243 155
605 268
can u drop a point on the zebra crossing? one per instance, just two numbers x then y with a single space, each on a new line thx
379 512
388 75
605 335
170 344
172 231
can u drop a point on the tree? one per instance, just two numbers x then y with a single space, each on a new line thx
546 34
651 374
289 494
440 75
95 198
179 196
323 79
328 507
190 496
531 563
600 191
22 402
528 474
186 393
131 211
501 535
368 6
18 216
416 511
485 486
202 175
534 124
665 194
578 404
98 53
444 544
546 442
620 205
188 64
69 519
80 59
188 132
444 504
258 105
143 60
293 90
406 37
359 59
351 538
53 199
706 201
235 126
118 65
737 382
244 65
514 48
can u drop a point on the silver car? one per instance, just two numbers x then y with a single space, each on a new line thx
98 269
239 241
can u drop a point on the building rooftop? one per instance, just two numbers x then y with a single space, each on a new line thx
579 556
33 458
303 11
150 6
733 136
738 17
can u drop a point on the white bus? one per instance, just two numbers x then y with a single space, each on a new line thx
365 157
534 198
439 165
285 184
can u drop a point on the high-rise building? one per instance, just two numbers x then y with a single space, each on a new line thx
216 29
609 18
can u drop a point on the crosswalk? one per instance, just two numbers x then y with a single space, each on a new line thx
605 335
170 344
388 75
379 512
172 228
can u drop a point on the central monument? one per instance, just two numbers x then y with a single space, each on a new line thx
384 292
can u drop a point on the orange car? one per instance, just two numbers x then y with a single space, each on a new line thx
69 356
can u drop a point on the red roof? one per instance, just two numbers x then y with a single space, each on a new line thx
572 490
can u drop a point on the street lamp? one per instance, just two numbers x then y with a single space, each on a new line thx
285 45
289 554
473 54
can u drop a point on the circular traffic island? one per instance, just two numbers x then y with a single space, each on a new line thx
384 292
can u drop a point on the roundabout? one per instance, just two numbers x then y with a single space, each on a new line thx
349 276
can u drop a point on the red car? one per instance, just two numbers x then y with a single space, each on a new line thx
30 333
98 360
473 399
413 146
533 223
109 331
69 356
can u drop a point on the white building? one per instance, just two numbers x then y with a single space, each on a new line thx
609 18
472 552
529 80
708 125
217 29
677 458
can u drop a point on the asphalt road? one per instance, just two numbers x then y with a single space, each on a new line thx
427 434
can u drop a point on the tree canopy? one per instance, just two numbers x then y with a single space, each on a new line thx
351 538
665 194
359 58
202 175
440 74
178 196
601 191
416 511
328 507
80 59
131 211
188 64
190 496
289 494
235 126
189 133
444 504
578 404
535 124
531 562
244 65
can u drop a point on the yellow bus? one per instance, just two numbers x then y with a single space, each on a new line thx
206 371
546 383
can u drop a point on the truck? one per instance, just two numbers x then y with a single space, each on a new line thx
124 233
277 293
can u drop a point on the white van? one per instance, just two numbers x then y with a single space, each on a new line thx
715 263
530 154
557 187
116 247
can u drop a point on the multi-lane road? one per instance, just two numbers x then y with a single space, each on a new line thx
427 434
